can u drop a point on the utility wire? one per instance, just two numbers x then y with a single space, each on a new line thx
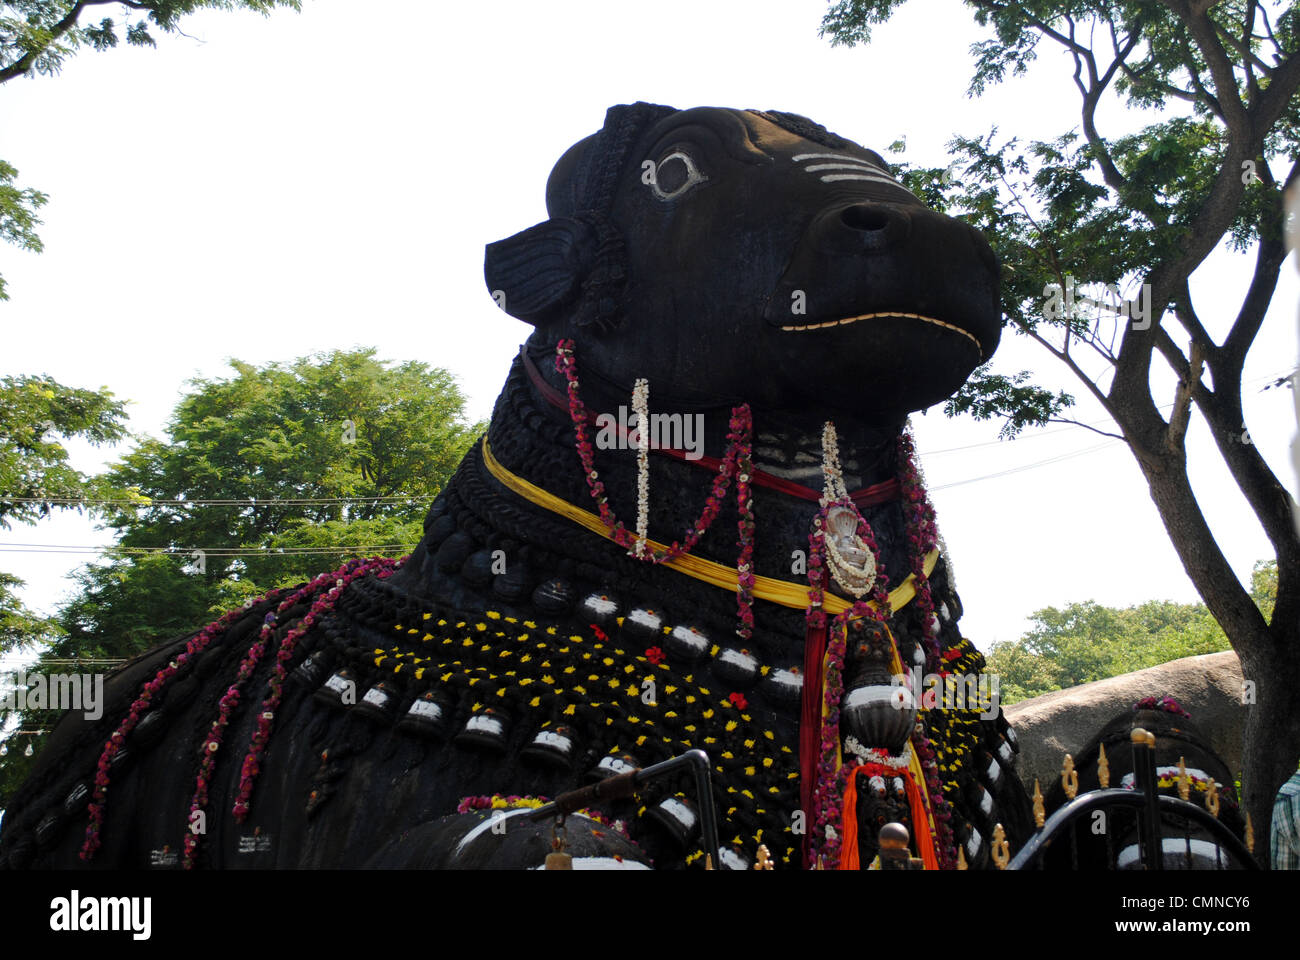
145 502
206 551
1066 428
1028 466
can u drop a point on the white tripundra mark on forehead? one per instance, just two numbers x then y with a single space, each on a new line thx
843 157
860 168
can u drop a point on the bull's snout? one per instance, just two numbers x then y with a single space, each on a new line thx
876 226
873 269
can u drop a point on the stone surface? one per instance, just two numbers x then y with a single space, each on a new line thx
1061 722
727 257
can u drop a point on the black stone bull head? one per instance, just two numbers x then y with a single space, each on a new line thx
726 256
737 253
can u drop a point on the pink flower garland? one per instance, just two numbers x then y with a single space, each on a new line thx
831 775
745 563
831 778
231 700
922 537
738 446
117 741
737 461
382 568
944 847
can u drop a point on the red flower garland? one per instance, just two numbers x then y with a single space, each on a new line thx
738 437
117 741
922 536
737 461
231 700
382 568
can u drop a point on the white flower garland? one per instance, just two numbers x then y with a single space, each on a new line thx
641 406
856 580
869 755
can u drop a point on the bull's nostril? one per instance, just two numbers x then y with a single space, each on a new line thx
865 218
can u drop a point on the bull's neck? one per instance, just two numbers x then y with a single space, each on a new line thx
534 439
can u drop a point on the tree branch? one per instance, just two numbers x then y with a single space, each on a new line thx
1268 30
1139 76
1268 263
1242 46
1091 92
1216 215
1185 312
1069 361
1268 498
1181 414
1080 423
1204 32
25 62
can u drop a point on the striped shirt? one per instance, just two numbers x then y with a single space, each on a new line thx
1284 839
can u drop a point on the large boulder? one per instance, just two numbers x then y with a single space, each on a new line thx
1209 687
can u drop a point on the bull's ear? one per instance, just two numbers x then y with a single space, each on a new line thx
539 268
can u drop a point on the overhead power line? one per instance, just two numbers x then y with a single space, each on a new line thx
1064 428
188 552
1028 466
146 502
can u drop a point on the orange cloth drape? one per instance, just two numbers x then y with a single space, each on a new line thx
849 826
923 839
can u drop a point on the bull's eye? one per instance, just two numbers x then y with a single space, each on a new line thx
674 175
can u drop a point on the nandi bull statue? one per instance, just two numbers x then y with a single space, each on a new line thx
696 523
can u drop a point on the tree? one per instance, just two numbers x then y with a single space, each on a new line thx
35 480
38 36
280 457
1142 212
18 220
35 477
1085 642
264 480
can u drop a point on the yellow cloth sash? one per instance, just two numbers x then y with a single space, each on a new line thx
787 594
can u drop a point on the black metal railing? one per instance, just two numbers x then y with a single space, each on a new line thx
624 785
1152 814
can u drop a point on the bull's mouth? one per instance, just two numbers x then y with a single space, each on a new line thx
886 313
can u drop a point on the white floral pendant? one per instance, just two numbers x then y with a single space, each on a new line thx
848 558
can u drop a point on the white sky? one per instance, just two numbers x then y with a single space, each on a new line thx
277 187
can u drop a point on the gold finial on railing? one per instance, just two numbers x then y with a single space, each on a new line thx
1069 777
961 858
821 863
1138 737
1250 835
763 858
1001 848
1184 780
1040 814
1103 767
708 861
1212 797
1151 739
